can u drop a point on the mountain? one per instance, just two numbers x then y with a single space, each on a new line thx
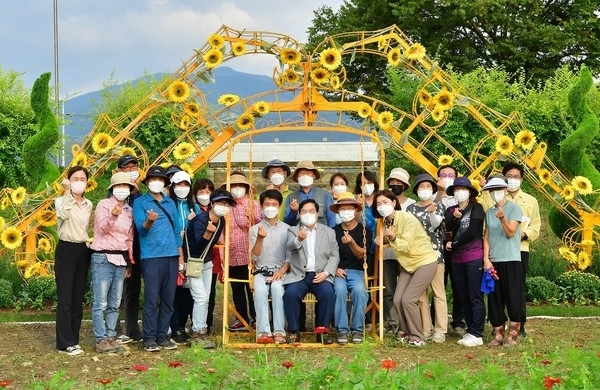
80 111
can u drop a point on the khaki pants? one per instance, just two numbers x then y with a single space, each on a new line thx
439 301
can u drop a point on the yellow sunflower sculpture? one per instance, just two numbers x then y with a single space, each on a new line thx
544 176
504 145
44 245
212 58
330 59
245 121
91 185
394 57
11 238
102 143
364 110
46 218
415 52
228 99
525 139
568 192
385 119
18 196
127 150
216 41
183 151
261 108
319 76
290 56
5 203
192 109
238 48
444 159
582 184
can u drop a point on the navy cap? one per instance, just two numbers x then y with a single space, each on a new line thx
126 159
157 171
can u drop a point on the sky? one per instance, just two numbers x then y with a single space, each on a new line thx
128 38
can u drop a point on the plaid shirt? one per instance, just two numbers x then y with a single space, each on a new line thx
239 244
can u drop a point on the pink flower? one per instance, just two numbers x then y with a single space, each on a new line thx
139 367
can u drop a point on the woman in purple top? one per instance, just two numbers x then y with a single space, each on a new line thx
465 221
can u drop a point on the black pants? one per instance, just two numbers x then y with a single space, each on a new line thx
525 267
71 264
132 288
243 299
211 301
391 271
182 309
458 317
468 292
508 294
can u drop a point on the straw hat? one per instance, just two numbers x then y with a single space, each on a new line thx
345 199
305 164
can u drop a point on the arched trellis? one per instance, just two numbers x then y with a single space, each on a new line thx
418 135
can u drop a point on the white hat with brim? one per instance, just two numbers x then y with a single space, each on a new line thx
495 183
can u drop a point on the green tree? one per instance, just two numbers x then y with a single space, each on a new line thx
529 37
17 124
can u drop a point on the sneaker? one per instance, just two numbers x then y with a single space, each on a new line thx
264 339
237 326
471 341
180 338
104 346
459 331
416 342
151 346
115 344
71 351
357 338
438 337
324 339
123 339
166 344
342 338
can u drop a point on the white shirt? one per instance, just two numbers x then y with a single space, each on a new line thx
311 238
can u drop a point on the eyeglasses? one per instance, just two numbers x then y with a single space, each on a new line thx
304 212
448 175
513 177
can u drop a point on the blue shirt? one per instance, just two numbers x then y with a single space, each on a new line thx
161 239
195 235
183 211
292 219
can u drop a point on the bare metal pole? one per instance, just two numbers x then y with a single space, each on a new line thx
58 109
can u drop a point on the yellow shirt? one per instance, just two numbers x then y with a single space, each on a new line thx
531 223
73 218
412 245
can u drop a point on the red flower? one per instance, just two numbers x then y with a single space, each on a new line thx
388 364
175 363
321 330
545 361
104 381
5 383
139 367
469 356
550 381
287 364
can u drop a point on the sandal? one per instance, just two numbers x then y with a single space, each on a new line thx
264 339
279 338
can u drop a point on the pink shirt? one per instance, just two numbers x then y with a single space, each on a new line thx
113 233
239 243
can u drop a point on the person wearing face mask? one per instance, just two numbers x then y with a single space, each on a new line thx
132 287
418 261
313 263
339 184
352 239
181 184
465 222
159 229
305 174
268 241
502 254
431 215
112 257
72 258
244 214
203 231
203 187
276 171
397 182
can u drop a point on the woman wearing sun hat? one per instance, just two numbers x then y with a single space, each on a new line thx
246 213
502 254
112 257
465 221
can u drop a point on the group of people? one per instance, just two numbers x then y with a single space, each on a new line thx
292 242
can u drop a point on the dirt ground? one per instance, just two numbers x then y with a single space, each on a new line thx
28 354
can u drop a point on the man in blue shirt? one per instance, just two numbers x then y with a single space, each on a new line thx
154 216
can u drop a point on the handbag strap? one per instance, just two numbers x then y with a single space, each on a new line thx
166 213
207 248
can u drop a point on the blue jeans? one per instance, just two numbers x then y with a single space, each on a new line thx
354 282
200 290
107 286
467 287
261 304
160 281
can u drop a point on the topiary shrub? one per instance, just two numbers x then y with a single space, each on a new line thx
540 289
42 288
6 294
579 287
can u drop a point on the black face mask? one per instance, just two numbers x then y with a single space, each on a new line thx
397 189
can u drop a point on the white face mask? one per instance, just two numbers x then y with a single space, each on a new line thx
447 182
497 196
276 179
425 194
220 210
156 186
369 189
385 210
203 199
133 175
270 211
181 192
78 187
513 184
347 215
121 193
461 195
238 192
308 219
305 180
339 189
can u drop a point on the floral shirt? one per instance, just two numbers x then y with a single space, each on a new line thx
432 222
239 226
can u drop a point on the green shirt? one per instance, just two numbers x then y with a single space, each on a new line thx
502 248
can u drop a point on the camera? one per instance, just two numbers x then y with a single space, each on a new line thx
264 271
